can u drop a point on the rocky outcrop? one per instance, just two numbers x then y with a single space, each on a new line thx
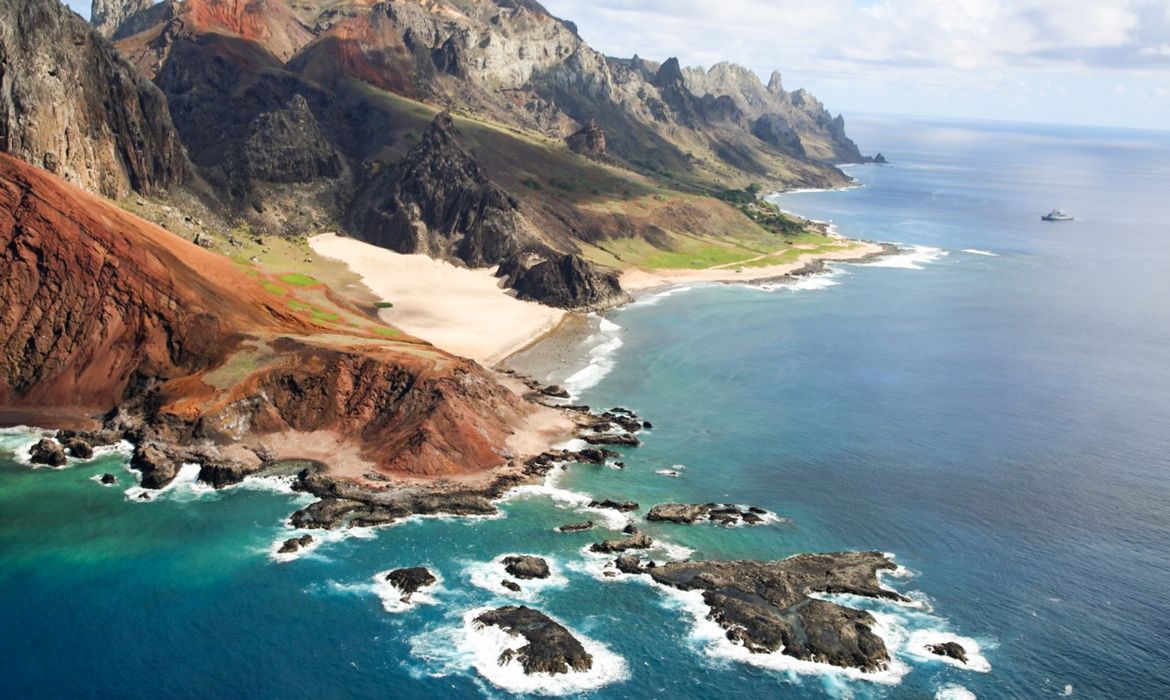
765 606
107 16
286 145
439 201
569 282
295 544
526 567
576 527
549 648
47 452
620 506
410 581
105 310
951 650
688 513
637 540
588 141
71 105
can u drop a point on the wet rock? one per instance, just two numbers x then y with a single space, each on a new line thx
638 541
295 544
678 512
109 479
411 580
157 467
221 472
49 452
526 567
621 439
952 650
555 391
511 585
576 527
688 513
629 564
621 506
766 607
550 647
324 514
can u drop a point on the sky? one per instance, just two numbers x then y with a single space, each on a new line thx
1098 62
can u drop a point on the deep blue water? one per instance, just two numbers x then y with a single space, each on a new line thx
1000 423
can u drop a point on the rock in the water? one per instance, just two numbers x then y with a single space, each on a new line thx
411 580
224 472
629 564
555 391
76 447
618 439
952 650
157 467
49 452
576 527
638 541
766 607
295 544
526 567
511 585
688 513
109 479
550 647
621 506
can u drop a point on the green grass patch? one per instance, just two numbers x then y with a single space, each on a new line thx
384 305
322 315
274 288
298 305
297 279
387 332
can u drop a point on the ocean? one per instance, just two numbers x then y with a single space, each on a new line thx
992 407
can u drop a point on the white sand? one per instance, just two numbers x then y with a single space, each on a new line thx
636 279
465 312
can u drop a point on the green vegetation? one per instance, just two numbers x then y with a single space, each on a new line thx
298 305
322 315
387 332
274 288
532 184
297 279
384 305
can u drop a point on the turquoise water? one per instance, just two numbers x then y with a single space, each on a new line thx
999 422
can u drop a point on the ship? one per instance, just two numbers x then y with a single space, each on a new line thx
1057 215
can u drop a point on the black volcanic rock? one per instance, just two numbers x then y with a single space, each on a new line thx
70 104
411 580
620 506
569 282
952 650
637 541
576 527
765 606
439 201
286 145
109 479
294 544
48 452
526 567
79 448
550 647
157 467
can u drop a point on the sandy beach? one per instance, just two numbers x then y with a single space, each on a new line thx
463 311
637 279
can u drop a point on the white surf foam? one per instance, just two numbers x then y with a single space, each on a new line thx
467 646
185 487
952 691
391 595
805 283
913 259
711 639
668 472
566 499
320 538
489 576
976 251
600 359
920 639
97 479
652 299
18 440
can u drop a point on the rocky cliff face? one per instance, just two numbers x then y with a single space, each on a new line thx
568 282
69 104
106 310
107 16
438 201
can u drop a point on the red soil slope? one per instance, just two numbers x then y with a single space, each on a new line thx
100 308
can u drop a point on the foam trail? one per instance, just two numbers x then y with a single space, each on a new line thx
183 488
320 538
653 299
913 259
952 691
804 283
391 595
466 646
976 251
605 344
